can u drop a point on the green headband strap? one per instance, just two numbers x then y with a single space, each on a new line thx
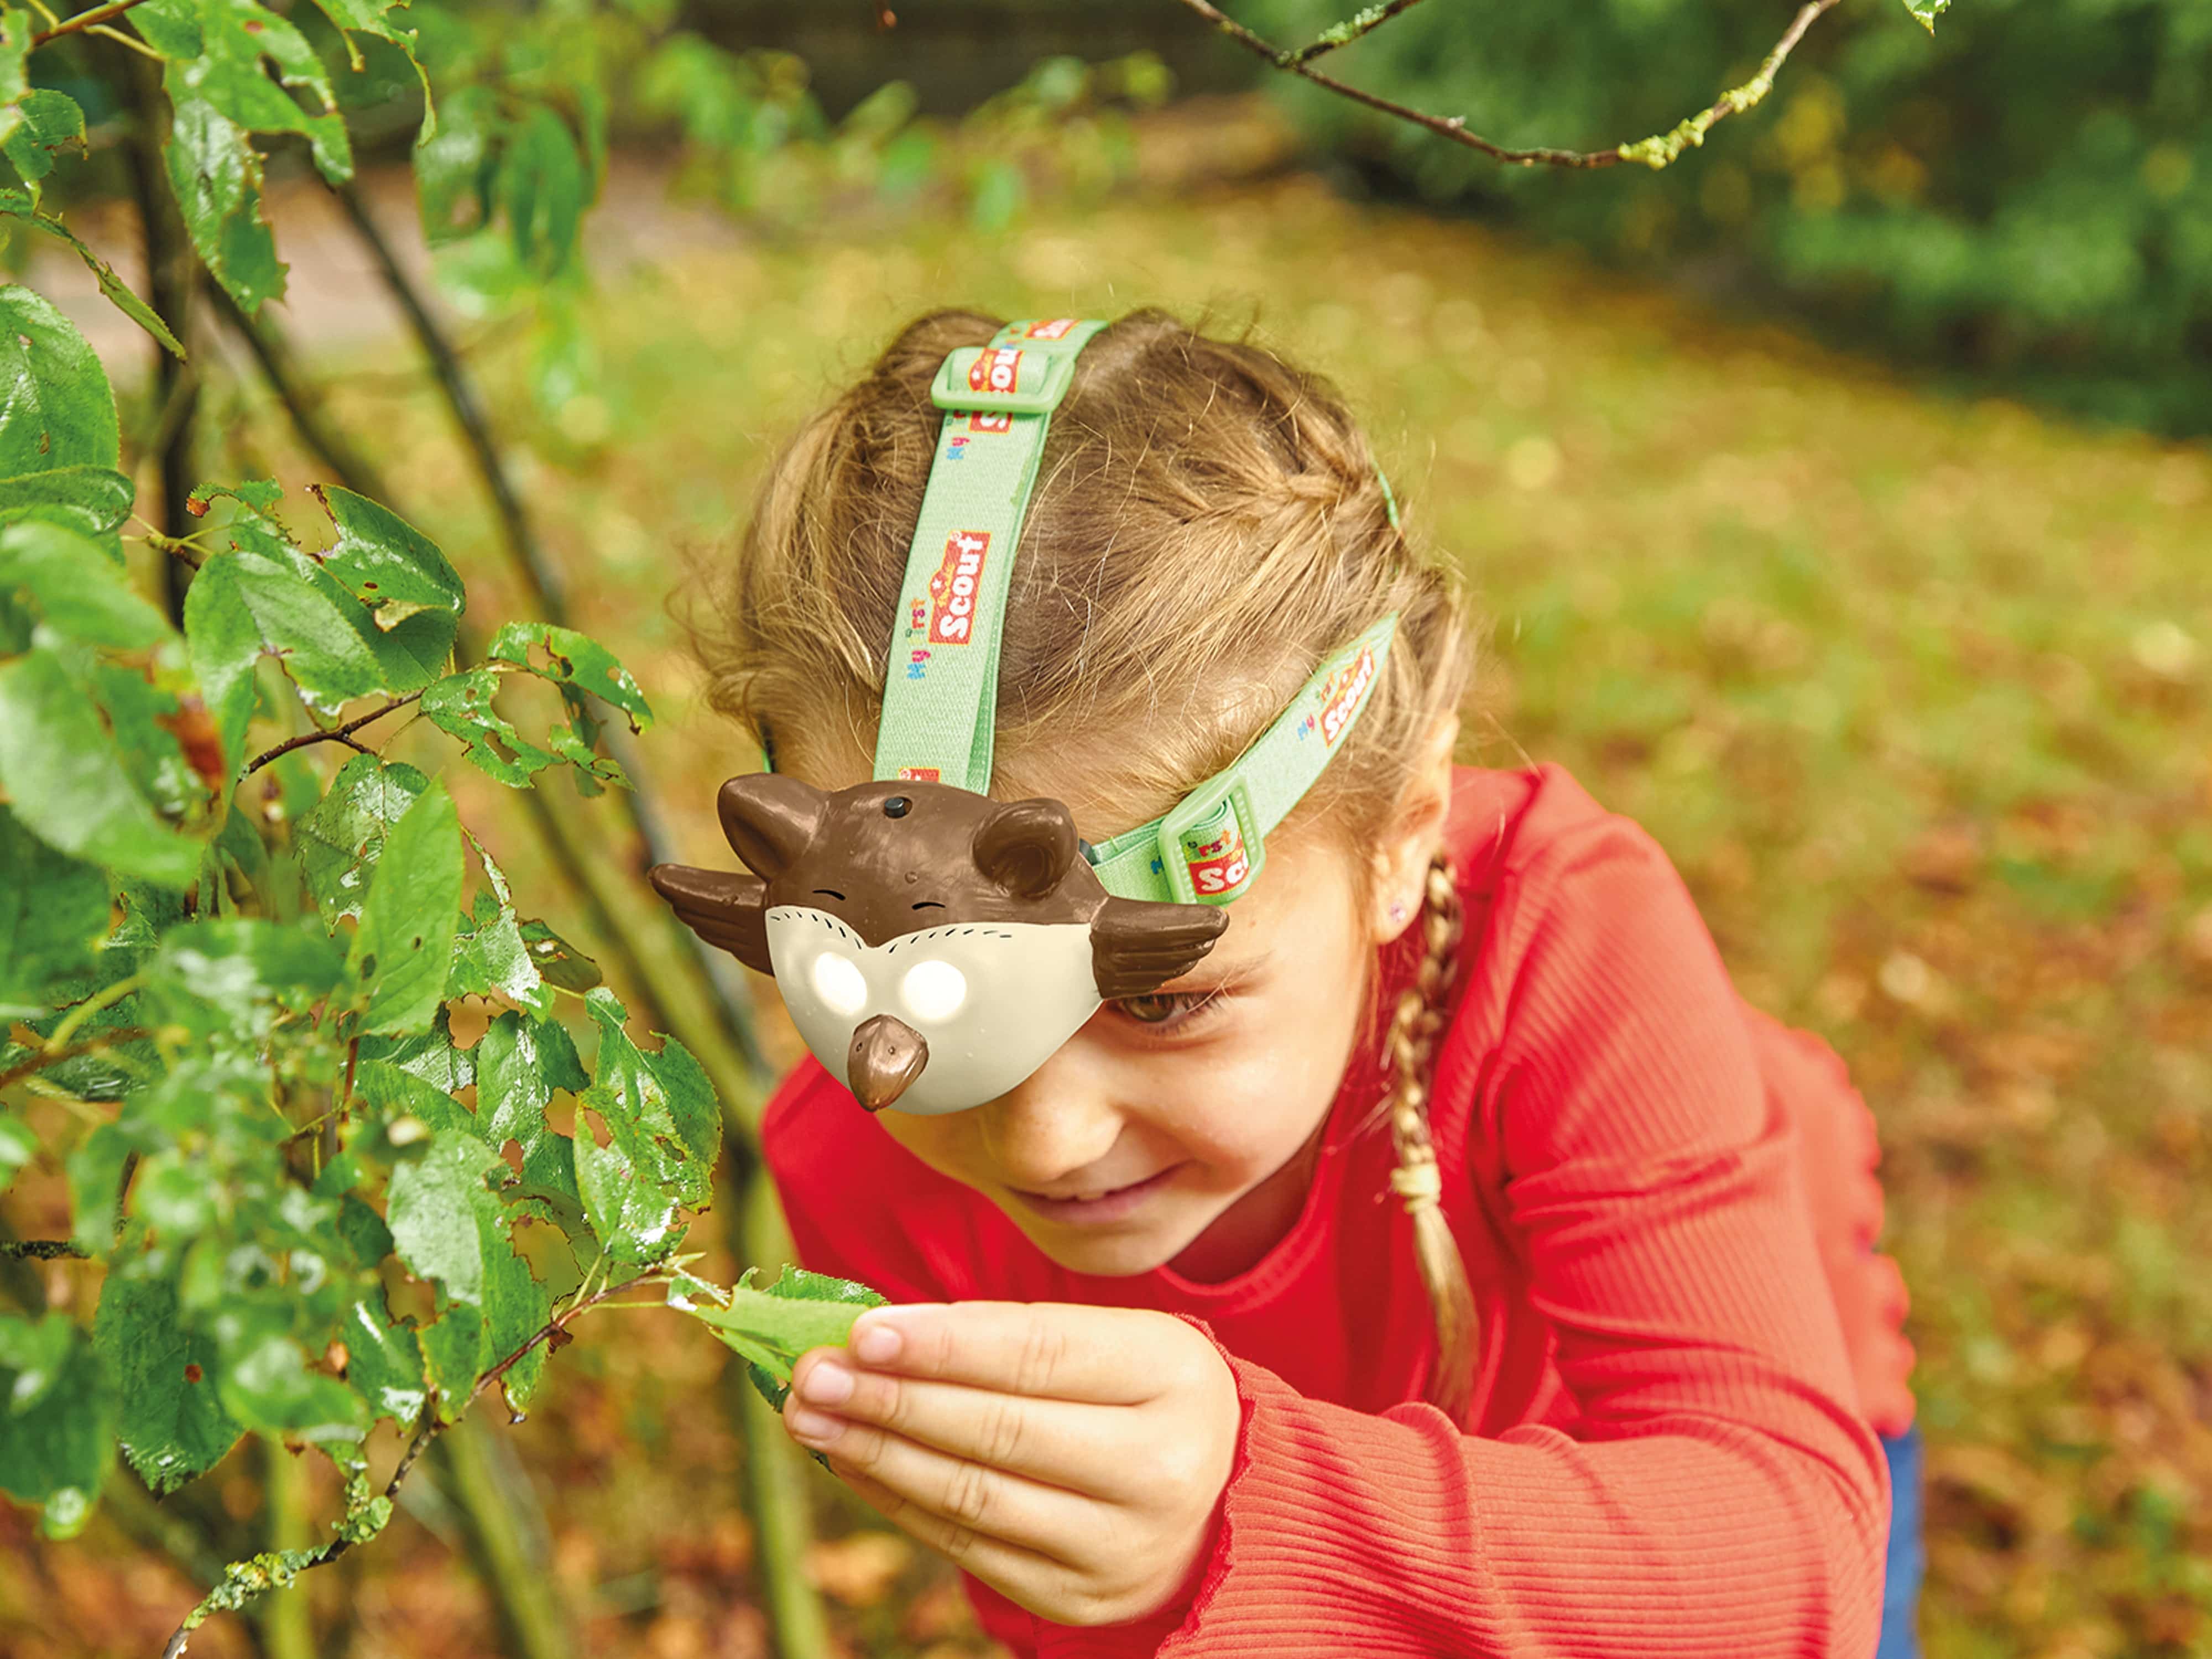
940 686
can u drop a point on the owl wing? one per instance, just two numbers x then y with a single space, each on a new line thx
727 909
1137 945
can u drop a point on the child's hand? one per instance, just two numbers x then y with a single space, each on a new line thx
1069 1457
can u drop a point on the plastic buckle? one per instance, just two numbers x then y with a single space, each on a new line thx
1209 842
1003 379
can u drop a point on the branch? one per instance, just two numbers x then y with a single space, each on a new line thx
83 20
244 1580
38 1062
1344 33
336 734
39 1249
1655 152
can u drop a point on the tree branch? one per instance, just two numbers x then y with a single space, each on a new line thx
1655 152
425 1431
39 1249
83 20
38 1062
336 734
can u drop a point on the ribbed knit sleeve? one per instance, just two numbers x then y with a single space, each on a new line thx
1720 1494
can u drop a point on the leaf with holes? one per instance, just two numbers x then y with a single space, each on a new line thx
460 705
342 839
410 592
664 1128
221 53
405 939
574 662
56 409
771 1327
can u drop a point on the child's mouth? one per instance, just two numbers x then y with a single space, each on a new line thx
1093 1209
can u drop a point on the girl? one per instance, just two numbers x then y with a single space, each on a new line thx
1450 1263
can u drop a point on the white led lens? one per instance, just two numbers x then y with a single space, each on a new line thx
839 984
934 990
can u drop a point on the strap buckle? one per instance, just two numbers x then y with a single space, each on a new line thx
1003 379
1211 844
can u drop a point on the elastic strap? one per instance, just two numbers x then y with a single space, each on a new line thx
941 687
1210 845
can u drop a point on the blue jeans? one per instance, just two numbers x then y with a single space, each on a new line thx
1901 1596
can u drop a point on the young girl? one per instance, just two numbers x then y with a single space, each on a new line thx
1450 1263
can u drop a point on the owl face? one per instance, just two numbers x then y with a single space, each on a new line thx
936 1020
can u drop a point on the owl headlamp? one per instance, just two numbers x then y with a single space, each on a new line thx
934 946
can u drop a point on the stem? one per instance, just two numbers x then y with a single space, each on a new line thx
39 1249
775 1472
1655 152
106 998
40 1061
336 734
83 20
1345 33
519 1576
288 1629
169 267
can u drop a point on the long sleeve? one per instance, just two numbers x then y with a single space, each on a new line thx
1719 1494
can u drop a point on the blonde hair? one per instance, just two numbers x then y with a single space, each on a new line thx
1208 525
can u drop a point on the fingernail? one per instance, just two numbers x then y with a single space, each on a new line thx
875 1343
815 1428
826 1384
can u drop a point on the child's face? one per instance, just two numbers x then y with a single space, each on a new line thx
1140 1133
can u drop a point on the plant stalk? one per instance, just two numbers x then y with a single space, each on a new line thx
286 1619
510 1560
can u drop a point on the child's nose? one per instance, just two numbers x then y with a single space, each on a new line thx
1059 1121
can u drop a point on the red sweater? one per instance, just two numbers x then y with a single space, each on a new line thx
1667 1205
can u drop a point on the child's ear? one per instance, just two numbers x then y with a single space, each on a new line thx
1400 864
768 818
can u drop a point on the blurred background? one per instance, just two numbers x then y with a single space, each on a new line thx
1838 500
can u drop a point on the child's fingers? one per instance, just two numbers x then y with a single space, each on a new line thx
1062 1442
1044 1350
958 1491
1025 1575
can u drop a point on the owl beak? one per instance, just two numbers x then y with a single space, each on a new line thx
886 1055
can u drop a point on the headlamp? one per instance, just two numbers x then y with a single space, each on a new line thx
934 945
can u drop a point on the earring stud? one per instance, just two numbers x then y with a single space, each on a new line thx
1397 911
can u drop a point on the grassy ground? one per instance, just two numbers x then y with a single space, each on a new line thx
1915 693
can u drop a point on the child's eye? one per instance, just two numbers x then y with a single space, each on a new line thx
1168 1009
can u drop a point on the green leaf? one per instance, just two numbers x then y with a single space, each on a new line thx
216 173
68 783
460 705
574 661
55 409
220 52
405 943
16 205
224 642
542 186
171 1424
453 168
70 580
57 1411
490 955
664 1130
94 1167
331 648
91 499
340 841
771 1328
249 971
51 123
558 961
1927 11
428 1054
448 1226
384 1364
53 913
17 29
519 1063
18 1146
266 1383
392 567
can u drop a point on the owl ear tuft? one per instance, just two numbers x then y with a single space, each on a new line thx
1025 847
769 817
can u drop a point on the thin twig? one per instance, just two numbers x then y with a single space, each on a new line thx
1653 152
83 20
39 1062
336 734
426 1431
39 1249
1345 33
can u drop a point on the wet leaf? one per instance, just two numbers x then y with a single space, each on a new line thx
405 943
57 1418
53 912
171 1424
342 839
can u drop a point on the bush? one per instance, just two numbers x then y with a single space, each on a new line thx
2028 194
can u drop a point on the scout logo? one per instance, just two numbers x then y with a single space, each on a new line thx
997 369
1056 328
1341 692
1216 856
952 589
918 774
982 423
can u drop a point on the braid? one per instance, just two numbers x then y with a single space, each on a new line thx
1411 1044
